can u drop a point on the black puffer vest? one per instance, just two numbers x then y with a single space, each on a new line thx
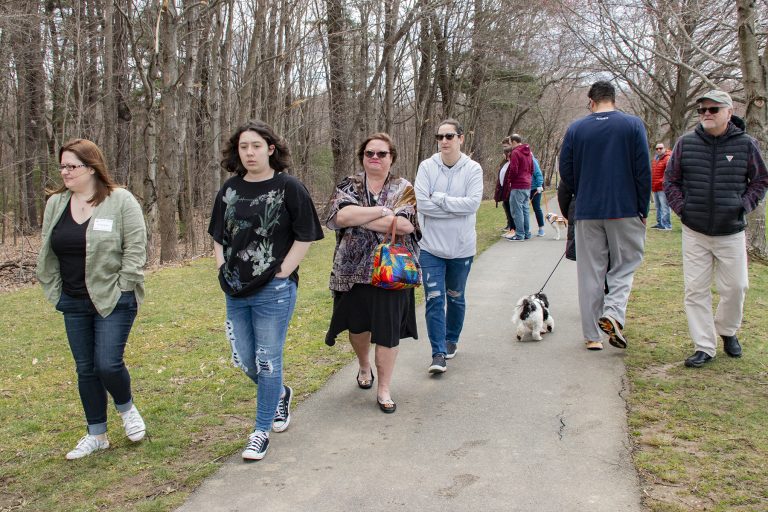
714 180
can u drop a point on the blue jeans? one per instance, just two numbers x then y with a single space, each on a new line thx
256 329
662 210
518 203
536 203
97 345
444 277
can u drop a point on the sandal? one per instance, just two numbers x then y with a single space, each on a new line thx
365 383
388 406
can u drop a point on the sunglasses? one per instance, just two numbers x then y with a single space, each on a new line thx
371 154
659 149
712 110
447 136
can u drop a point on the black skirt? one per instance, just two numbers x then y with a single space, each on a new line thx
389 315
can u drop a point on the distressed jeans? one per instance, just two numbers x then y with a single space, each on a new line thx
256 329
444 277
98 344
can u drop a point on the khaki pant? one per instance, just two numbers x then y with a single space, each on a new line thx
726 258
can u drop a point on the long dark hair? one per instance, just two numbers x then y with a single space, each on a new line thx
279 160
90 154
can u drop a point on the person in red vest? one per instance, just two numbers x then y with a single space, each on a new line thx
658 166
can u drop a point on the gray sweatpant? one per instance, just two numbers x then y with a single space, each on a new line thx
623 240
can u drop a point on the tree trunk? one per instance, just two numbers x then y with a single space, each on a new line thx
340 145
168 169
754 69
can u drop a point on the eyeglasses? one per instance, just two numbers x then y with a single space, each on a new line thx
70 167
712 110
380 154
447 136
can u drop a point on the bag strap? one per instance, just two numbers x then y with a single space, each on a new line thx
392 232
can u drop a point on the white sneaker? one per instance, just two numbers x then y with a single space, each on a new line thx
87 445
258 442
133 424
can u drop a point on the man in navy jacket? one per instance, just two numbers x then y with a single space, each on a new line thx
714 177
604 160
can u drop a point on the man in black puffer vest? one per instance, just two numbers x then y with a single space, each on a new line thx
714 177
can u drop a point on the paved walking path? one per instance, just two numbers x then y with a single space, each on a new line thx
511 426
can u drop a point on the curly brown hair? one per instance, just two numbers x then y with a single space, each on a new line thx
279 160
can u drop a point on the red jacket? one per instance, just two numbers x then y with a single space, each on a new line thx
658 167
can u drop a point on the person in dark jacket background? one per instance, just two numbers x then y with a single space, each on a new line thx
604 161
715 176
518 181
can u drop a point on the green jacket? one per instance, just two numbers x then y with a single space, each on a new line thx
115 250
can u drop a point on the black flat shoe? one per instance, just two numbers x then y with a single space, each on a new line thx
731 345
365 383
387 406
698 359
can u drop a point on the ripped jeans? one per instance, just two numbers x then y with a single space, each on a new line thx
444 277
256 329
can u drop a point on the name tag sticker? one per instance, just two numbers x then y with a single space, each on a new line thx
102 224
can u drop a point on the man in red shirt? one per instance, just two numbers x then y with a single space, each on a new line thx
659 165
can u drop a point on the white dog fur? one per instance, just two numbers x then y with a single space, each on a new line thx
532 316
556 221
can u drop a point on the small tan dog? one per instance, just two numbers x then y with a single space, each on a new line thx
556 221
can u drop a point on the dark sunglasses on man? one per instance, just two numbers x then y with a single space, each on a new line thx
448 136
712 110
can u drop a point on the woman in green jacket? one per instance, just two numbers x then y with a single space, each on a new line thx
90 265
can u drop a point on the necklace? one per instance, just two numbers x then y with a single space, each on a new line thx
374 195
81 204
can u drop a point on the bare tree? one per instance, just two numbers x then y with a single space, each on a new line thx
754 67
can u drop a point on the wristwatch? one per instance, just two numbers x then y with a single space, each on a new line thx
384 211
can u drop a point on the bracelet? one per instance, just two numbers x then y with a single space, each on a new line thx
384 211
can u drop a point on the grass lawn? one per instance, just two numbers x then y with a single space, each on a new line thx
700 434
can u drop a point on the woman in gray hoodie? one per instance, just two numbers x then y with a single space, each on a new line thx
449 188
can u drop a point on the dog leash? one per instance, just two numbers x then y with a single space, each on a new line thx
553 271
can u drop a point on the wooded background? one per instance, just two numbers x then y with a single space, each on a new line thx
160 85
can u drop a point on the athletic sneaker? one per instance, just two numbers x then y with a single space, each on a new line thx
133 424
613 329
283 412
516 238
540 232
87 445
438 364
452 348
258 442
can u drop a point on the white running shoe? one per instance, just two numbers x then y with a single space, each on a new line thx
87 445
133 424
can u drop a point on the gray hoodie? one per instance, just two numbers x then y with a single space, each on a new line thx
447 200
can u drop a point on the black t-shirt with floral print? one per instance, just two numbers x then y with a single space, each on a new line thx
257 223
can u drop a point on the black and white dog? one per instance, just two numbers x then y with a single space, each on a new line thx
532 315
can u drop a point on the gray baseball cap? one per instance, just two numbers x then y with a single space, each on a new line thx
717 96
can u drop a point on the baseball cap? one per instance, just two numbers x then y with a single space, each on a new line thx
717 96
